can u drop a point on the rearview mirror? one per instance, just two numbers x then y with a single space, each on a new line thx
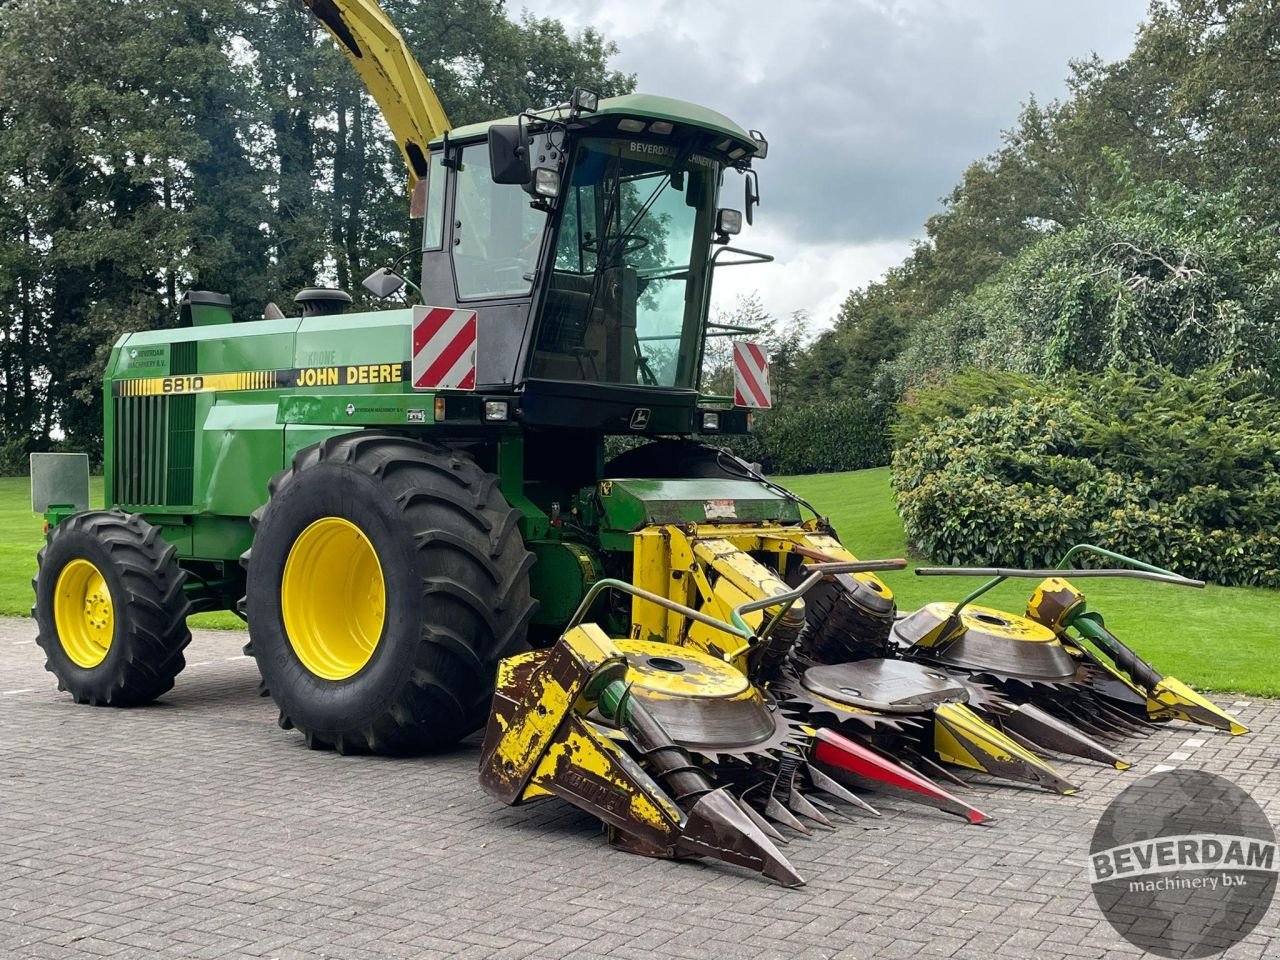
753 194
762 145
508 155
384 283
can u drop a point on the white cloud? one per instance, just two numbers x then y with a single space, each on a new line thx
873 108
815 277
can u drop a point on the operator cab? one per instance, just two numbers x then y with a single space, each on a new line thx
583 238
626 296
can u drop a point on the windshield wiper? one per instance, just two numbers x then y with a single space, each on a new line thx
606 251
630 228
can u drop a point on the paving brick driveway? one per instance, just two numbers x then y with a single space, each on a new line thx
196 828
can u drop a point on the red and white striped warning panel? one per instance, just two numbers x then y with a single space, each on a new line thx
750 376
444 349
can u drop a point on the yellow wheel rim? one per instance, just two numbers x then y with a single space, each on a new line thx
333 598
83 614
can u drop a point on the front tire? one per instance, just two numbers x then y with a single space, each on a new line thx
387 578
110 609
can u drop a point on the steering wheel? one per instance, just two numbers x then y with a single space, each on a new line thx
630 244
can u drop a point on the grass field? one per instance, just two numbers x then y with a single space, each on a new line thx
21 538
1218 638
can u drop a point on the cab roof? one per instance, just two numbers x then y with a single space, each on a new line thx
638 105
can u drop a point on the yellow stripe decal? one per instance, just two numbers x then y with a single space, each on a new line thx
297 378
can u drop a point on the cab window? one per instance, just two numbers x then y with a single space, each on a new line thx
497 234
434 217
627 293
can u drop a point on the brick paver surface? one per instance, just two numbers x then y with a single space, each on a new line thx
195 828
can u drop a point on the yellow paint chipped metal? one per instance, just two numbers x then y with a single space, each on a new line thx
681 672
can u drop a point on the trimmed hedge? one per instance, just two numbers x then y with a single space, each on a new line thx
844 434
1180 472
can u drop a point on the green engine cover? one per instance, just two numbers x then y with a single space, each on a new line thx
631 504
199 418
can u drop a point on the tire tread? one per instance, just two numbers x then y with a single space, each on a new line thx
449 688
154 609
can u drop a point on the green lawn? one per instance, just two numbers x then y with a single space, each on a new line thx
21 537
1218 638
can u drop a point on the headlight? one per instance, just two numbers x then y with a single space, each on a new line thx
729 222
585 101
546 182
496 410
710 420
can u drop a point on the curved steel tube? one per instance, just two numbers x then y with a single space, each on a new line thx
1141 571
1006 572
621 585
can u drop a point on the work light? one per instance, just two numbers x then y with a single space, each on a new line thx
546 182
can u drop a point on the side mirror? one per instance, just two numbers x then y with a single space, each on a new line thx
762 145
384 283
753 194
508 155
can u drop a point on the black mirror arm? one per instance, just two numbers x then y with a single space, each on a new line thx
751 256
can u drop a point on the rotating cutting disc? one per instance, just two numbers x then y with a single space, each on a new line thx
888 686
705 705
987 641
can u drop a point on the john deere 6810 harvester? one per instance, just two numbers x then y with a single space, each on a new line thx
413 510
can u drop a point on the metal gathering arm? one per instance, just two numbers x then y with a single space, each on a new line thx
390 72
1139 571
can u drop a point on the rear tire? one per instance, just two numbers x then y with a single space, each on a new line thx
110 609
450 578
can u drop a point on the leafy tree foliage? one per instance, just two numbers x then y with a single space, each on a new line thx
1167 277
1069 241
151 147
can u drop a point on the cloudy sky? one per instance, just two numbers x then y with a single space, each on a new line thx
873 108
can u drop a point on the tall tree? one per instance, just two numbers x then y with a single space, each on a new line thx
163 145
1196 103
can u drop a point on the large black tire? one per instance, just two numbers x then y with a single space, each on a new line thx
456 575
148 609
674 460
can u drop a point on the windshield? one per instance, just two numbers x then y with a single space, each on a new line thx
627 297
